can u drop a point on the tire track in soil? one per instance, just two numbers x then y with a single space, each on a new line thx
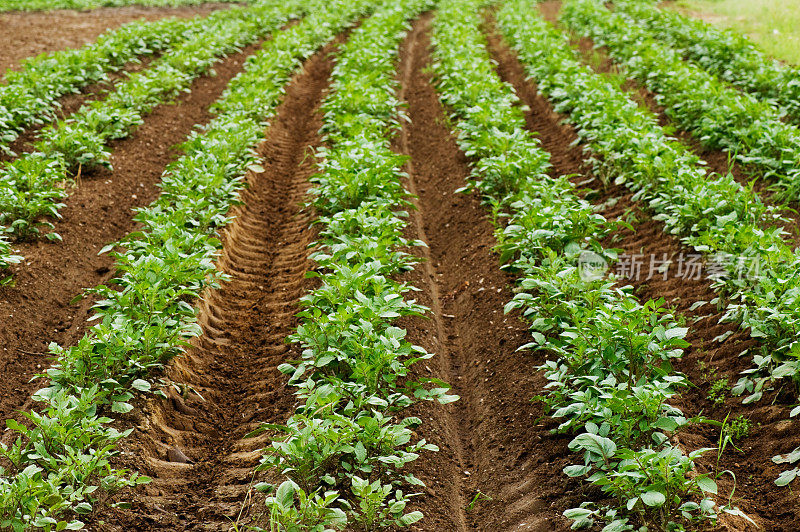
491 441
772 432
233 365
37 309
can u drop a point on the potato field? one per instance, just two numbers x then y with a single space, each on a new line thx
426 265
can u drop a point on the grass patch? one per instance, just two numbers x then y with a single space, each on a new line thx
774 25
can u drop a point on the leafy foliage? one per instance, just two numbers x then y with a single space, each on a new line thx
713 214
724 53
146 319
345 449
611 376
41 5
720 116
32 186
29 95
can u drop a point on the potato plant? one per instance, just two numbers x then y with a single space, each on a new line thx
30 95
724 53
713 214
345 449
42 5
611 378
147 319
32 186
720 116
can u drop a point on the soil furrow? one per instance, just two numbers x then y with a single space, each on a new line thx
38 308
499 468
707 359
233 366
30 34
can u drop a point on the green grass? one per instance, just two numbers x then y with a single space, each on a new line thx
772 24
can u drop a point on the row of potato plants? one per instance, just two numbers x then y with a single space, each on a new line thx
611 379
712 214
30 94
32 186
62 454
346 449
725 53
718 115
46 5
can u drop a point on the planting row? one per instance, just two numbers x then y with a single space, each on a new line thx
611 378
145 318
30 94
32 186
346 446
713 214
44 5
724 53
720 116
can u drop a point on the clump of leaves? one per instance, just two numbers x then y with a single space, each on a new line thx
718 391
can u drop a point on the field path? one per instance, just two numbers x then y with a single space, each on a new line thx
499 468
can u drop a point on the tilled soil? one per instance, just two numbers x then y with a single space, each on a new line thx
707 359
499 467
39 307
25 35
232 368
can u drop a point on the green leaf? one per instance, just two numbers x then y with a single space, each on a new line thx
666 423
676 332
653 498
360 452
141 385
121 408
707 484
411 518
595 444
285 494
787 477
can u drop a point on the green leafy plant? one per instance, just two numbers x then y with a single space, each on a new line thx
145 320
725 53
40 5
738 428
29 95
704 210
610 378
348 444
718 391
32 186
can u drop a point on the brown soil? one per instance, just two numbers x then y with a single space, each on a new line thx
492 443
30 34
774 508
499 467
233 366
37 309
